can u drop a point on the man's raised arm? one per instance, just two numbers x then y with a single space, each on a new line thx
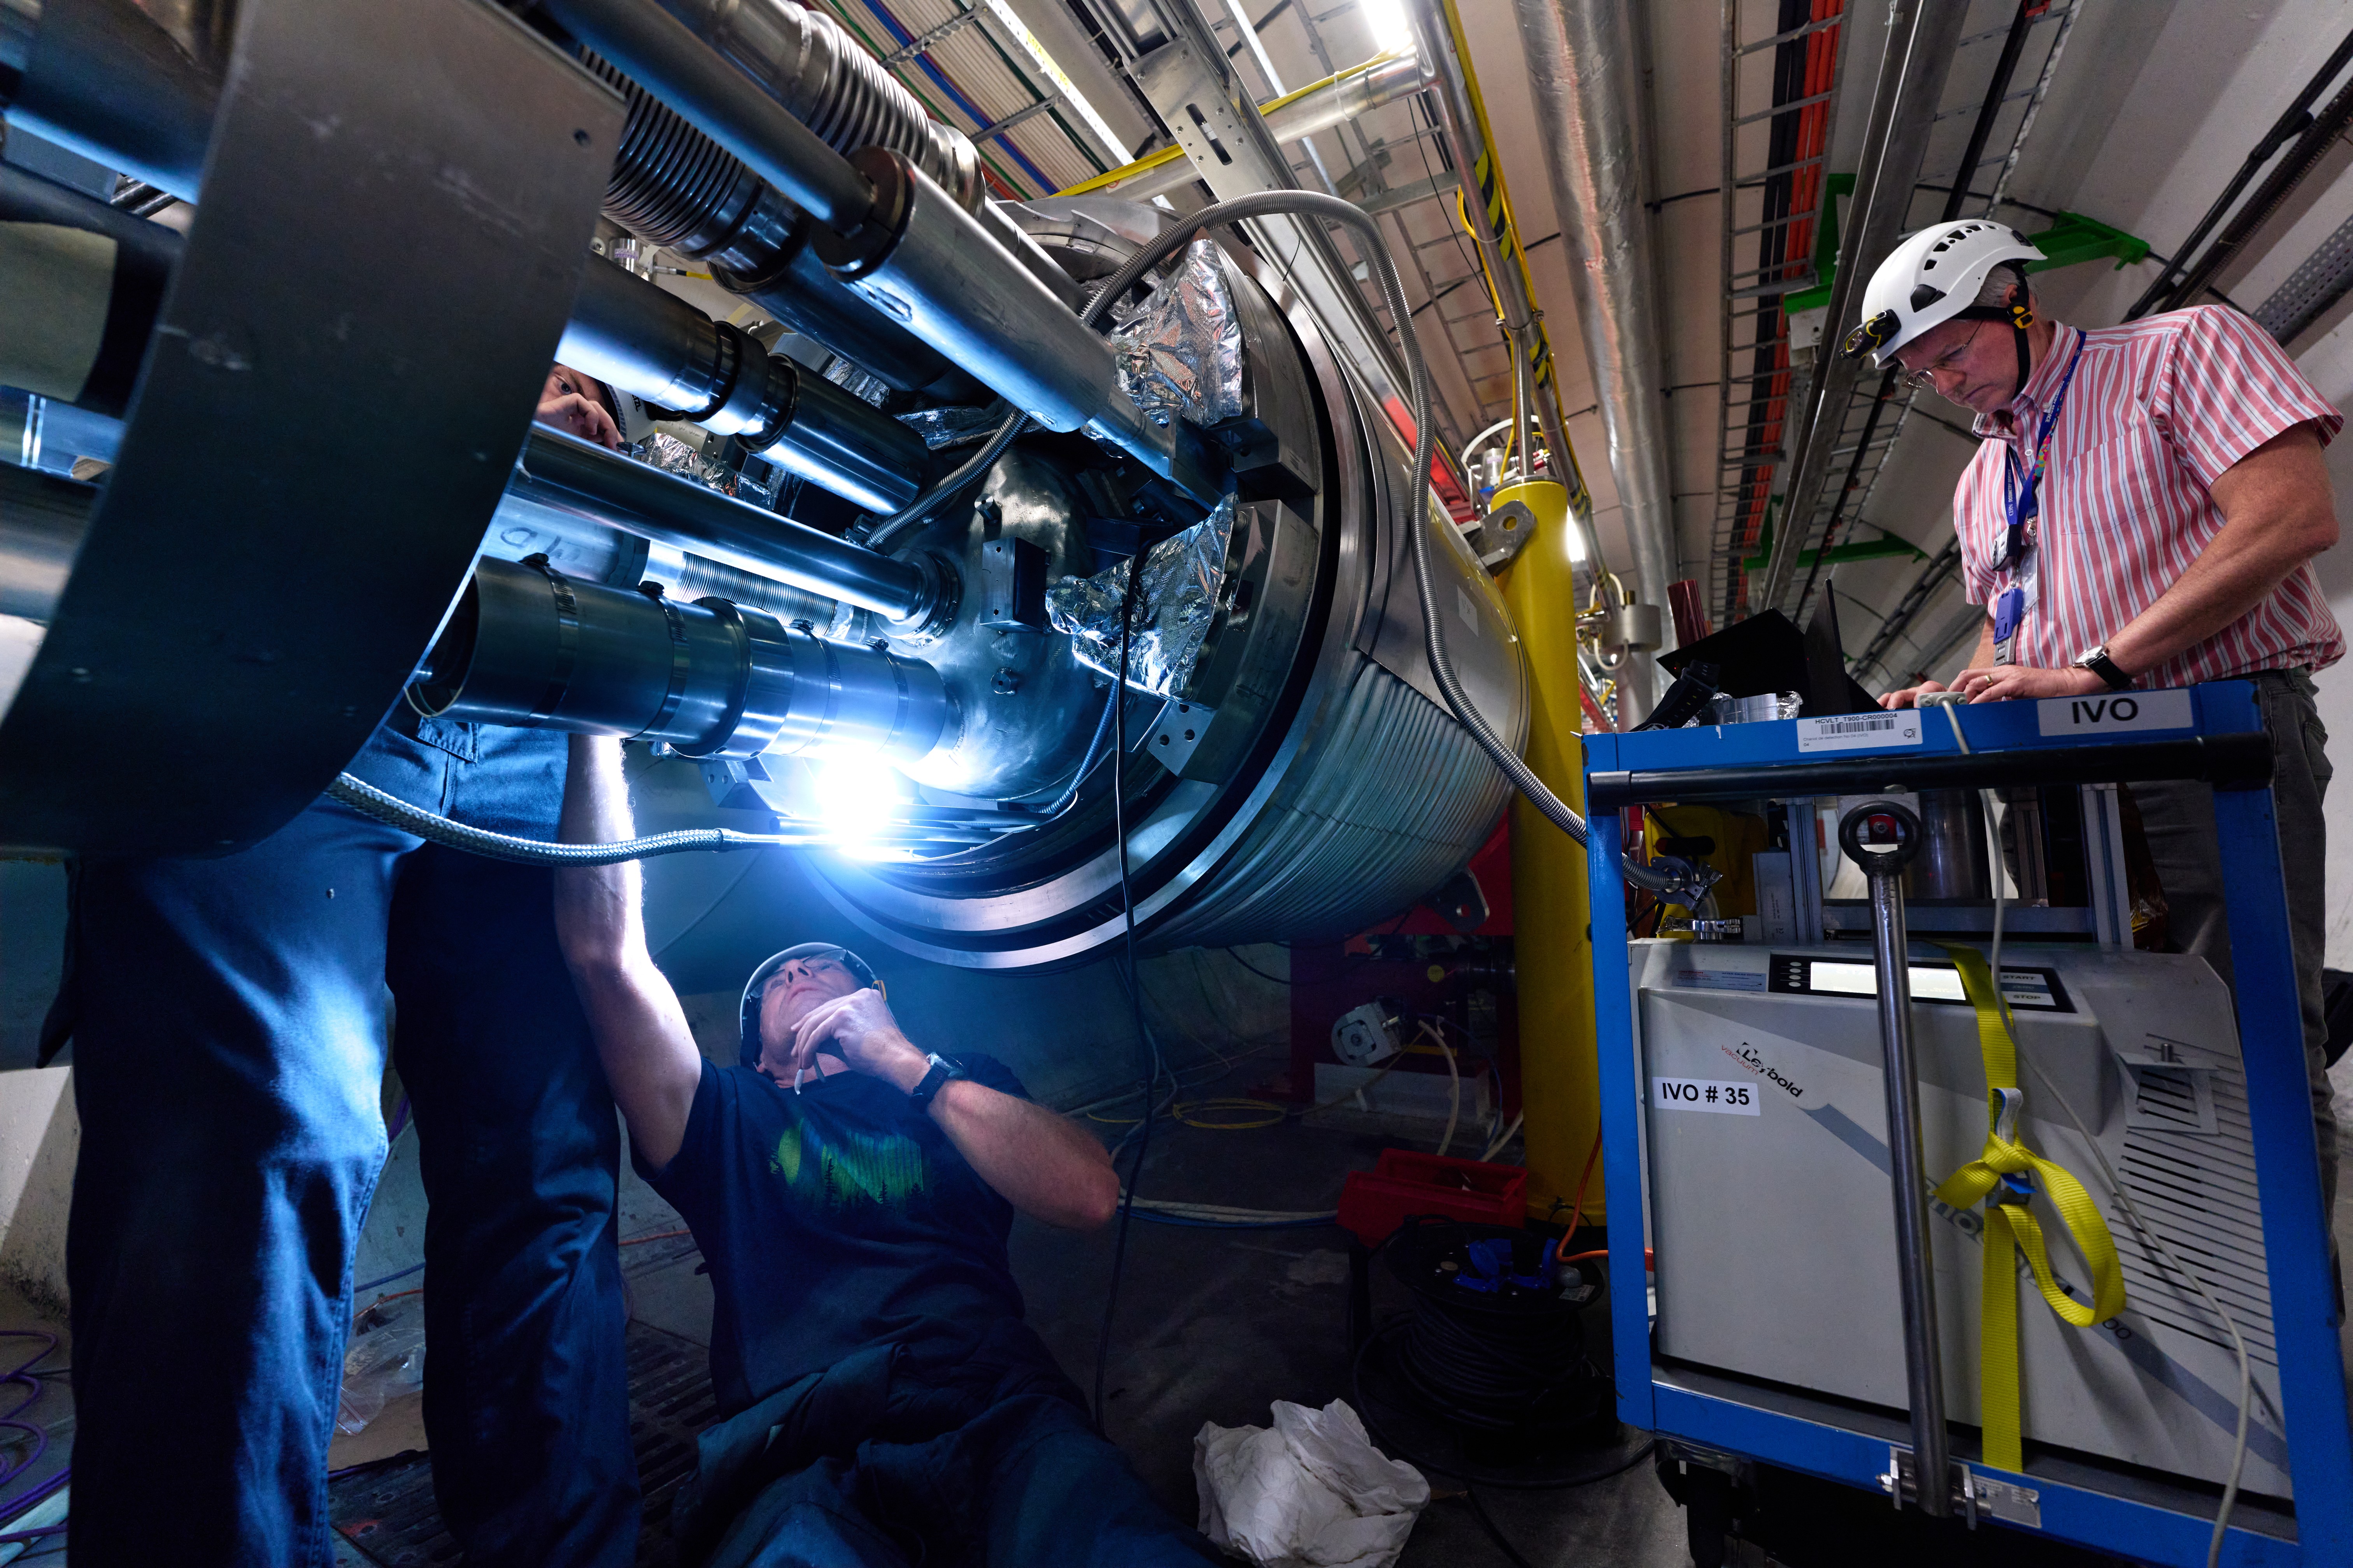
640 1031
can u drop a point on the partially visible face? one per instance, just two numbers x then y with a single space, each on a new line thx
563 381
794 991
1965 364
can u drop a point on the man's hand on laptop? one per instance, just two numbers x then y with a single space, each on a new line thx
860 1030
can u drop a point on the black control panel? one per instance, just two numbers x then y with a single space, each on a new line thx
2028 988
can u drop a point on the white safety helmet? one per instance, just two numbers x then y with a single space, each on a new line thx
1932 277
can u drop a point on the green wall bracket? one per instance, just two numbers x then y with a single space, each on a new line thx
2071 239
1882 548
2074 239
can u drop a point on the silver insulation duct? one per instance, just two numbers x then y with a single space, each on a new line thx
1586 67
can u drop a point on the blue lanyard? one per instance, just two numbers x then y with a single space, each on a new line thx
2024 495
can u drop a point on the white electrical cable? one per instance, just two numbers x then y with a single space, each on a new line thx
2238 1344
1454 1075
1503 1137
2116 1182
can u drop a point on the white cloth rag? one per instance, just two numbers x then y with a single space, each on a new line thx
1310 1492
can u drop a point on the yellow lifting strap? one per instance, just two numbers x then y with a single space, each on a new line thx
2005 1169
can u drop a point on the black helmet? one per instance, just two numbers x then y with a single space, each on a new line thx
760 976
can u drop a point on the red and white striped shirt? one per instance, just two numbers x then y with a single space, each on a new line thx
2158 410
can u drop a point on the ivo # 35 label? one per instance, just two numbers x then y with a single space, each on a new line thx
1704 1094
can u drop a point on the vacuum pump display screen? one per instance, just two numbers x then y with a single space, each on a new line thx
2034 989
1862 980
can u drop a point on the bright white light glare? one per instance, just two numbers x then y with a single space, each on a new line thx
1862 980
1576 532
854 797
1387 18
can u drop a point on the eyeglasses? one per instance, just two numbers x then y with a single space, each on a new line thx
1923 379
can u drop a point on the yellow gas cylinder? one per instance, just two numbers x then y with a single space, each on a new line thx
1559 1088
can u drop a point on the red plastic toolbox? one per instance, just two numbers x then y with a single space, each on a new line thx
1375 1202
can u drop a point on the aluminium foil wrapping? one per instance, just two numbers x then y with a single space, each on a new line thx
758 484
1180 353
673 456
942 428
1176 601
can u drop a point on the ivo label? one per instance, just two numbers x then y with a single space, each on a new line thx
2119 710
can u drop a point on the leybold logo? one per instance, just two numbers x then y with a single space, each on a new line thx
2124 710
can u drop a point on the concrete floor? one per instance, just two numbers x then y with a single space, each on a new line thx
1214 1326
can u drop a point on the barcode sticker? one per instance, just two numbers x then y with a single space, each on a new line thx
1857 731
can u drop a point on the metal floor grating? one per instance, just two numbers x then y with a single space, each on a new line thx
389 1516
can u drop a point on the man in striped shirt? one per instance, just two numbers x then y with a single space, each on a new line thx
2143 513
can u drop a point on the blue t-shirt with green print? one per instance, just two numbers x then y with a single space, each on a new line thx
834 1219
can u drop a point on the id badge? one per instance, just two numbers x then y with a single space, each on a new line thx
2011 606
2008 610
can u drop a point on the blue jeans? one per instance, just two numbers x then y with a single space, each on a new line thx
228 1020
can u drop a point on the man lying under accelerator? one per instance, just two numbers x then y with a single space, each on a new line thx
852 1193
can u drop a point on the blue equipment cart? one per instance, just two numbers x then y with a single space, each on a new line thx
1778 1298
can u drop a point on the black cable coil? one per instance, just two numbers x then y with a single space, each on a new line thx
1508 1359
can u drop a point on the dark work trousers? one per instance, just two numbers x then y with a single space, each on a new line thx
1025 1483
930 1455
229 1018
2179 819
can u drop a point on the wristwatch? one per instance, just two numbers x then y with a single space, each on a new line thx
941 1069
2097 661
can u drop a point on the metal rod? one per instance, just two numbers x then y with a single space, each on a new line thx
1908 1174
658 51
2293 121
654 345
1921 36
1973 156
2277 186
568 474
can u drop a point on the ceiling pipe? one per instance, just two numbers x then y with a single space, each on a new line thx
1458 121
1922 36
1585 65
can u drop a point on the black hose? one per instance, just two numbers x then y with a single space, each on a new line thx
971 468
1370 1408
1094 754
1495 1533
1144 1040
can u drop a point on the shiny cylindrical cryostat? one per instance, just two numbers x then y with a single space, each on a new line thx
529 646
